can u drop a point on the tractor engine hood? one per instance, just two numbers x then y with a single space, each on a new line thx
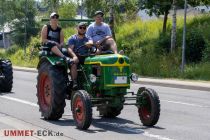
108 60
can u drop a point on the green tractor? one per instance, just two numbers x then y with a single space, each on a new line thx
103 81
6 75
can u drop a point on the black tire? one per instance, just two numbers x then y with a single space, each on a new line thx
110 112
149 106
6 82
82 109
51 90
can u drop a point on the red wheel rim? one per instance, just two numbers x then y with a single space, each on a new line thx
45 91
145 110
79 110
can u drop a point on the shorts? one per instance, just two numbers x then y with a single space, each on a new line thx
105 45
81 59
49 45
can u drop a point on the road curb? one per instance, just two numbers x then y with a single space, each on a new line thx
173 85
183 84
16 68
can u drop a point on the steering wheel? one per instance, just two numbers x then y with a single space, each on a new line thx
91 51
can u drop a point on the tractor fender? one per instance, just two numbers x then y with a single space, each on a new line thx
52 60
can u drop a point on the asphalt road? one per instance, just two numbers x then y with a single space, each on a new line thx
185 115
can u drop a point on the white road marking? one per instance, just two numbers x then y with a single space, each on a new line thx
35 105
131 129
19 100
183 103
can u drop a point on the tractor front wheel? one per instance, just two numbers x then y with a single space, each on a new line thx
82 109
148 106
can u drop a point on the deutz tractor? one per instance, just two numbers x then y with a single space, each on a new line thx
103 81
6 75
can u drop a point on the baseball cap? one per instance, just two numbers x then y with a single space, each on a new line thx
82 24
54 14
99 13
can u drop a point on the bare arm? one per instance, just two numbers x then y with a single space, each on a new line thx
89 44
102 40
44 34
61 38
71 52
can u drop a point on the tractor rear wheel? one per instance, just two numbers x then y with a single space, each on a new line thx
82 109
148 106
51 90
7 81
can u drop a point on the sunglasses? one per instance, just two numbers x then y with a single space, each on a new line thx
82 27
54 17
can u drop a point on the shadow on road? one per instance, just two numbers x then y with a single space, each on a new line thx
119 125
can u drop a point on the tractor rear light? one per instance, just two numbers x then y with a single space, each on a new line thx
92 78
134 77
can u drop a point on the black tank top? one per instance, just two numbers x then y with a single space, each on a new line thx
53 35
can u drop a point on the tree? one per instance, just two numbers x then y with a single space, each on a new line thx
23 20
5 15
54 4
162 7
123 9
67 9
93 5
173 32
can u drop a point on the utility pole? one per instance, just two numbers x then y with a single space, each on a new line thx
173 32
111 17
2 18
25 35
81 9
184 37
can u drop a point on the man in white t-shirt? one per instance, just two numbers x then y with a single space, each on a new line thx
101 34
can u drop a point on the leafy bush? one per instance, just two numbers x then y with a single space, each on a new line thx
195 46
199 71
206 54
135 34
163 44
12 50
34 46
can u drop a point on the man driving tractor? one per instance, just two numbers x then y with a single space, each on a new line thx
74 42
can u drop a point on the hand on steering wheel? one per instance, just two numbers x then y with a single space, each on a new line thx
91 49
88 44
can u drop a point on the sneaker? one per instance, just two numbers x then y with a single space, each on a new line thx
121 52
68 60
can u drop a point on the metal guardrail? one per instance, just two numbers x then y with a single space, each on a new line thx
72 20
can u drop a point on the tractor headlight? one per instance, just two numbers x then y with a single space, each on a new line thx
134 77
92 78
